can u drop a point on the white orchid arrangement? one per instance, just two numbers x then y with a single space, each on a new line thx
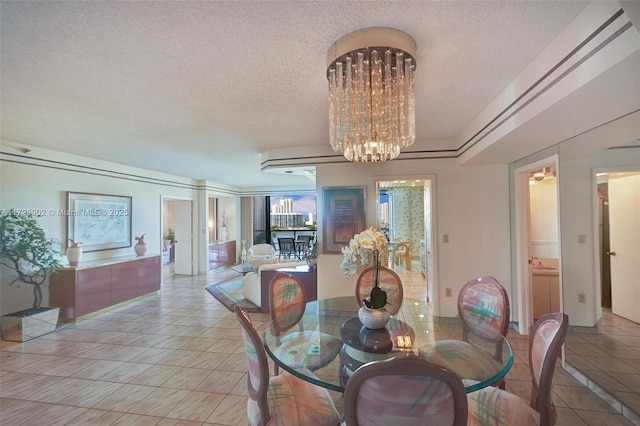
363 246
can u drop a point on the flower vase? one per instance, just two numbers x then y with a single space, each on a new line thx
74 254
140 248
223 233
374 319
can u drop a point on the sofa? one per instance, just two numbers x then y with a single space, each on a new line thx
255 286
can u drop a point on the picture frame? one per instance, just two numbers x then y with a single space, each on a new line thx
99 221
343 216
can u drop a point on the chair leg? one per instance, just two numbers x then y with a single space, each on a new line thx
276 369
407 262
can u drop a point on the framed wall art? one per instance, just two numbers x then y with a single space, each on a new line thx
99 221
343 216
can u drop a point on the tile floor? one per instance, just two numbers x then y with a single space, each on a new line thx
176 358
609 360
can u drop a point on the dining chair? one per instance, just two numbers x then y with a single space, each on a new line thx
309 349
483 307
402 253
283 399
287 248
388 280
495 406
404 390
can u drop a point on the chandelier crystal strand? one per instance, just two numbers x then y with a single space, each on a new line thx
371 99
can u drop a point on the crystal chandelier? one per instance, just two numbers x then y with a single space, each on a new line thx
371 96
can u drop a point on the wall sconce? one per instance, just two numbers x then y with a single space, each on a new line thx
210 224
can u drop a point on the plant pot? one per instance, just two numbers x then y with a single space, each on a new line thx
74 255
373 319
29 324
140 249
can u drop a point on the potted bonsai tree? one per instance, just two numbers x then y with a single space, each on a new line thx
26 250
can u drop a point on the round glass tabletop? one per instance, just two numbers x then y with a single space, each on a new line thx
479 362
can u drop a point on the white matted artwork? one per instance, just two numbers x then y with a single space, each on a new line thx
99 221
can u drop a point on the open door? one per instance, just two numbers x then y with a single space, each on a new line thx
184 238
624 239
405 213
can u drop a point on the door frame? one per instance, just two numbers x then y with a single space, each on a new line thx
523 240
194 248
432 224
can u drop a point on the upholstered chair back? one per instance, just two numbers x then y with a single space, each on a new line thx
287 301
405 390
389 281
545 343
257 365
483 306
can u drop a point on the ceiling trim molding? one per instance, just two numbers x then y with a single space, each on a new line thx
507 113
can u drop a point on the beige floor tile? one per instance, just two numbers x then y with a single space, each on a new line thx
125 373
593 418
159 402
196 406
155 375
136 420
95 418
16 411
91 394
125 398
208 360
98 369
56 392
186 378
57 415
227 412
220 381
582 399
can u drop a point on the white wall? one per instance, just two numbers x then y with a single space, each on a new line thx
471 207
43 183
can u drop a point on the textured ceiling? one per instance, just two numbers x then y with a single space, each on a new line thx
201 88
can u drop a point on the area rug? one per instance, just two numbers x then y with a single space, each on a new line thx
229 293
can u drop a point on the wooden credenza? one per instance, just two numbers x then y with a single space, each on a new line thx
100 284
222 253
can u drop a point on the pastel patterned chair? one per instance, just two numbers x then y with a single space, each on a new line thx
389 281
483 306
405 390
309 349
284 399
491 406
401 253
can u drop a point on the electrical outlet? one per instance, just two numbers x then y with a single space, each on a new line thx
582 298
445 238
447 292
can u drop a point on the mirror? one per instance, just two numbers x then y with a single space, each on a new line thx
599 187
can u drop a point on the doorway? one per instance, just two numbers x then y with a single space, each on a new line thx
177 216
405 215
538 253
618 198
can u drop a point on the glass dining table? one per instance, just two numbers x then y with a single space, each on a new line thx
413 328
